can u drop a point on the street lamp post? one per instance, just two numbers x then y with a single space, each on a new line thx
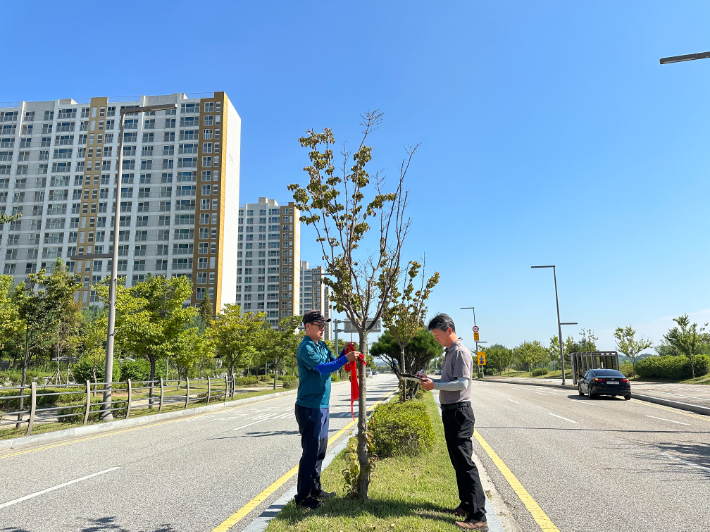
559 324
474 334
106 413
682 58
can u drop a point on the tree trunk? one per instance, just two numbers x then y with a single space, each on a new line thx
403 370
275 374
363 455
152 378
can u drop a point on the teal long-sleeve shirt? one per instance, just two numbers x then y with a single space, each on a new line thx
315 364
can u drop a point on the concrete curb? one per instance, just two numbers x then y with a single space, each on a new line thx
641 397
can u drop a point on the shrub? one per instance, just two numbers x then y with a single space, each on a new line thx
290 384
672 367
246 381
136 370
335 376
627 370
540 371
401 429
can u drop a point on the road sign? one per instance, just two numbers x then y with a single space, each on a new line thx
475 328
481 358
348 327
476 337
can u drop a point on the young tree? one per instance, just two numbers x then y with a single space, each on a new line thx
531 354
191 348
279 346
205 310
499 357
150 317
628 345
360 281
404 317
92 339
236 335
687 339
419 353
10 322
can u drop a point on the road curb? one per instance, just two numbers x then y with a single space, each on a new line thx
641 397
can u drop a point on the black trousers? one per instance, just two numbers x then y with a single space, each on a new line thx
458 430
313 424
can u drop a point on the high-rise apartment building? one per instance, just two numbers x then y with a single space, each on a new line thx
268 259
314 294
179 193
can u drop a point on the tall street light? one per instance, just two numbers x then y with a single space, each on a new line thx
559 324
106 413
474 331
681 58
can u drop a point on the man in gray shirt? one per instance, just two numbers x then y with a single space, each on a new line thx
456 414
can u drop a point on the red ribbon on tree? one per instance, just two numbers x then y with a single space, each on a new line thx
352 368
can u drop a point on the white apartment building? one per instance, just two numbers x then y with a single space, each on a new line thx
179 195
314 294
268 259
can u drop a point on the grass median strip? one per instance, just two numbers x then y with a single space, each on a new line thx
256 501
406 493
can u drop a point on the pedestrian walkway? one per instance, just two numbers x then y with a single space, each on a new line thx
684 396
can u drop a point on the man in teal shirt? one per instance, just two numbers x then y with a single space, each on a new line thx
315 364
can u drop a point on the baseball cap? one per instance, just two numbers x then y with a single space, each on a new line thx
313 316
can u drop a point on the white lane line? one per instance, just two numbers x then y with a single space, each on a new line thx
517 403
586 403
562 417
264 418
686 462
539 393
669 420
490 393
37 494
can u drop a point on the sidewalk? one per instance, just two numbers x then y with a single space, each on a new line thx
691 397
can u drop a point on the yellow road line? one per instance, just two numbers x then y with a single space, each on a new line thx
256 501
147 425
533 507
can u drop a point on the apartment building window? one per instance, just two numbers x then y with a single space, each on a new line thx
169 136
161 264
208 120
209 107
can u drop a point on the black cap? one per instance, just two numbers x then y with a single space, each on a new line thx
313 316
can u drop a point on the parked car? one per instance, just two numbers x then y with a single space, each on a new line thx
604 382
368 372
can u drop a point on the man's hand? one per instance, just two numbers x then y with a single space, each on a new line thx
351 355
427 384
421 374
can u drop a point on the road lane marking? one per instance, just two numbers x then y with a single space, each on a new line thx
669 420
686 462
670 409
586 403
533 507
562 417
261 497
266 418
38 493
516 402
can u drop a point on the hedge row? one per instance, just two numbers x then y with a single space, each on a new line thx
672 367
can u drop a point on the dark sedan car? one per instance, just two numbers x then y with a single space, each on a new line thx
604 382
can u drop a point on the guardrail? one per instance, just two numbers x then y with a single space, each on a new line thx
47 406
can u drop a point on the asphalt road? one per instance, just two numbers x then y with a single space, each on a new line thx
596 465
188 474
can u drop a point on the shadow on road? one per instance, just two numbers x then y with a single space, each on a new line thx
101 524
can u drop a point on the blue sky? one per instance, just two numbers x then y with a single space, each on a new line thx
549 132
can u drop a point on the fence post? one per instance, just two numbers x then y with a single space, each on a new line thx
33 407
128 405
162 389
226 388
234 385
209 390
187 391
88 401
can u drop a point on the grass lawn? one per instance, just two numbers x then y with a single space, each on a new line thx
405 493
554 374
41 428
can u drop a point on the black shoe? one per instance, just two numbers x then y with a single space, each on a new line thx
309 502
323 494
